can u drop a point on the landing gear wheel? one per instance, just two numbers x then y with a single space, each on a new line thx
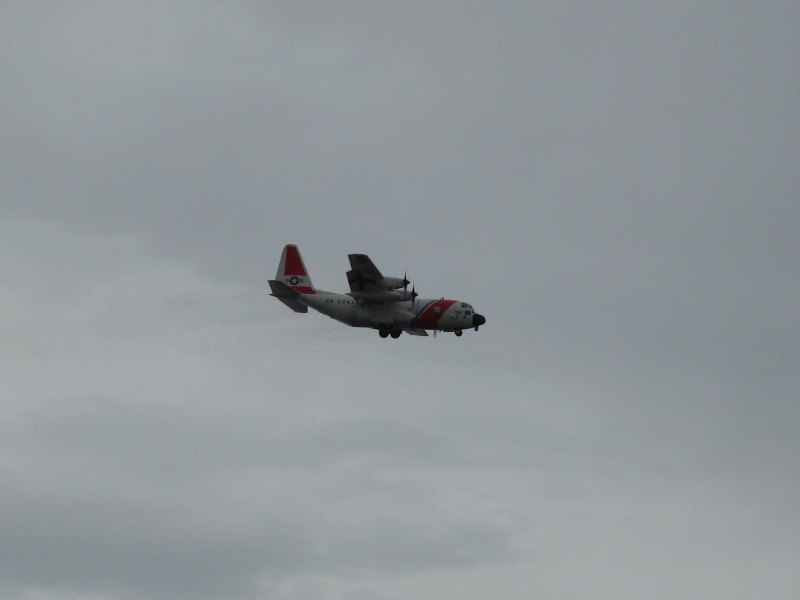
396 334
383 333
458 332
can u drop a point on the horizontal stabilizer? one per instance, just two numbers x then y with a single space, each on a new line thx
287 295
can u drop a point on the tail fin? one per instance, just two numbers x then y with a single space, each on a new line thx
292 271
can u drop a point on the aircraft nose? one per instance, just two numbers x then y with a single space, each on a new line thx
478 320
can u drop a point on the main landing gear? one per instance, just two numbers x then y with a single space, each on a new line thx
458 332
386 332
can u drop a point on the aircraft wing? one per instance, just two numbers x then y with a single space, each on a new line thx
363 275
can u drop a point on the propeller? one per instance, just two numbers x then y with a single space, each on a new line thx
405 289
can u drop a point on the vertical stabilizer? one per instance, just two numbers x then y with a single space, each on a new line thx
292 271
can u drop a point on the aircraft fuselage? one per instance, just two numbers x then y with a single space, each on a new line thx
422 313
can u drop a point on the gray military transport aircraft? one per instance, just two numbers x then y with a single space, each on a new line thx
373 301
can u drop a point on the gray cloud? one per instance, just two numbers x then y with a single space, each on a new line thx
612 185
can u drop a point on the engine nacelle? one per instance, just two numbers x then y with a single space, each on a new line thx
408 294
392 283
387 295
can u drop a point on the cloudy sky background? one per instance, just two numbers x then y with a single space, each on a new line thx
613 184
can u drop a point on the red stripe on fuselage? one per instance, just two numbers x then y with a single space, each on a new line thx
304 289
294 266
429 318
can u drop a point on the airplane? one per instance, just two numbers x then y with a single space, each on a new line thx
373 301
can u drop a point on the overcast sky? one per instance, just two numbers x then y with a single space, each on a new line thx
613 184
